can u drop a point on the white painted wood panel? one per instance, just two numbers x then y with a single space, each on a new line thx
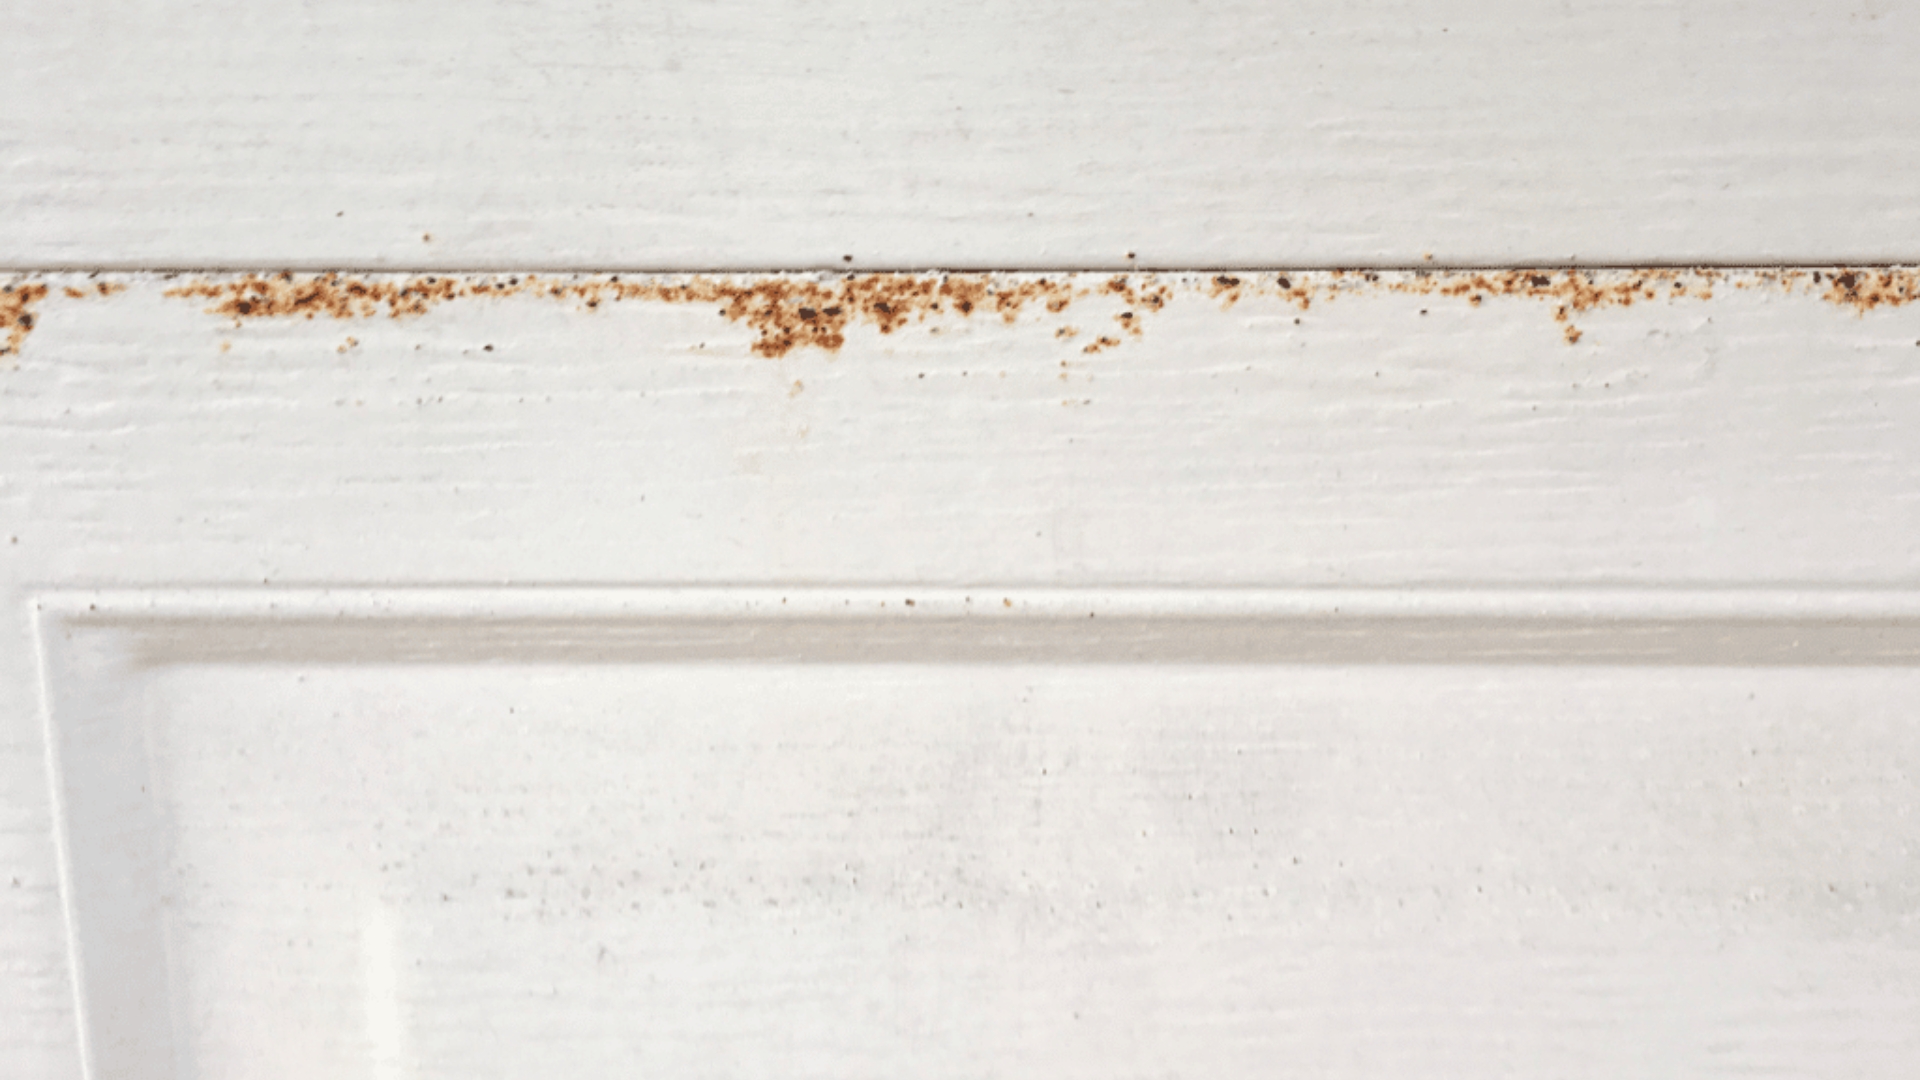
1590 638
1562 629
733 134
1054 833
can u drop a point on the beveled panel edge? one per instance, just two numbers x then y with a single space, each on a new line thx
999 624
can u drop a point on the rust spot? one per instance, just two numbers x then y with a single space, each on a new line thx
1225 288
19 298
16 313
1101 343
1864 290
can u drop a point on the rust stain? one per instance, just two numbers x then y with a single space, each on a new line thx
98 288
787 312
338 296
1864 290
802 311
17 318
1225 288
1575 291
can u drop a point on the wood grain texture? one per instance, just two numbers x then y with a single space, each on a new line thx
1760 442
737 134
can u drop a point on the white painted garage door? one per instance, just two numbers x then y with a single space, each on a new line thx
830 540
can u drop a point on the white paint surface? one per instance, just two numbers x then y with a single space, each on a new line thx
1604 766
747 134
951 866
1578 677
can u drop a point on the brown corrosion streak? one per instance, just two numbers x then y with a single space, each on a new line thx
1583 290
787 313
16 313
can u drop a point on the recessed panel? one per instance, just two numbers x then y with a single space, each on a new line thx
749 867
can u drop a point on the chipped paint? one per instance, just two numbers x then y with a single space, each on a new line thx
816 311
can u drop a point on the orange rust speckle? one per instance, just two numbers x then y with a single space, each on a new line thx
1150 293
16 313
814 311
1571 290
787 312
1225 288
1864 290
335 295
101 288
